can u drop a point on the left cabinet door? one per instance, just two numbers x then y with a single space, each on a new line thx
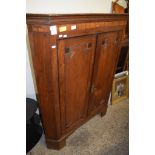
75 58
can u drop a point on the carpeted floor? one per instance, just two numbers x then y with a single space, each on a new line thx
108 135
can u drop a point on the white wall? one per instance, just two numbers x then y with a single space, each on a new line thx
68 6
30 80
59 6
30 91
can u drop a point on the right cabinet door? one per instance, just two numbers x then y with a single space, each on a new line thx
104 67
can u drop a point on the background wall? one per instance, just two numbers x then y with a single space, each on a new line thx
58 6
68 6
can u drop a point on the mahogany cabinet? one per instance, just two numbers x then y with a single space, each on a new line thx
74 59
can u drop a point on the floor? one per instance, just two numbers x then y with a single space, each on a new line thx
108 135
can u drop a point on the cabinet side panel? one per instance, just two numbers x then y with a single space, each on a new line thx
45 67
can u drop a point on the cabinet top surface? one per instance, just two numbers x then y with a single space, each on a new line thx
68 18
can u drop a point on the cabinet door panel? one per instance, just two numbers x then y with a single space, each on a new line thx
76 56
105 62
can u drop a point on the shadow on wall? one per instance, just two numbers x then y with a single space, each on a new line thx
31 73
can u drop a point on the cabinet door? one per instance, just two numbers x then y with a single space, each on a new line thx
76 57
105 62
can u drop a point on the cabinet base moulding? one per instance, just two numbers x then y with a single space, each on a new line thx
56 144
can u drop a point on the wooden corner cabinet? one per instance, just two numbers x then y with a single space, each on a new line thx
74 59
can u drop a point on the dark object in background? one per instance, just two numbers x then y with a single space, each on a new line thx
33 134
31 108
33 128
123 59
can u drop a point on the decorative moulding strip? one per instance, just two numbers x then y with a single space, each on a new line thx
51 19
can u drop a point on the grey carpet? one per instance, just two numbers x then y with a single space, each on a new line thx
108 135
